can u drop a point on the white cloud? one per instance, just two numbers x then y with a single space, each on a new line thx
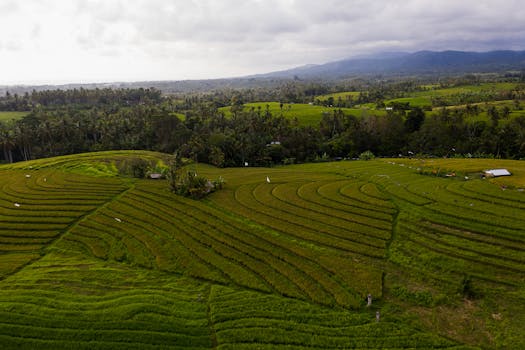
108 40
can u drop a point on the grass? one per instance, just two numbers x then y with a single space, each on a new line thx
68 301
100 305
450 95
339 95
106 261
7 116
306 114
38 206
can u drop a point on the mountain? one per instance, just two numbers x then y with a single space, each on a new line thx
421 62
387 64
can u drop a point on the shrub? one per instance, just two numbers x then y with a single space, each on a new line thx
466 288
194 186
159 168
366 155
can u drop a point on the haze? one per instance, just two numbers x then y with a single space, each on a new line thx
82 41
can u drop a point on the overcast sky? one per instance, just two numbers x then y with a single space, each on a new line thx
60 41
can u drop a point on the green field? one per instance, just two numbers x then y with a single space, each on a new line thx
306 114
93 259
5 116
425 97
339 95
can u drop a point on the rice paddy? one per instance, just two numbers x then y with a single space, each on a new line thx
8 116
306 114
111 262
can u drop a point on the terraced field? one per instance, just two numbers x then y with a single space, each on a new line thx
109 262
37 207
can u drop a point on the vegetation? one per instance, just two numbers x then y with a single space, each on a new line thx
8 116
188 183
281 257
110 250
304 114
228 128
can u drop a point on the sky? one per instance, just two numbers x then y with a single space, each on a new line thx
83 41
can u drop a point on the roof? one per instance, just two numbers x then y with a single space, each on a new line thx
497 172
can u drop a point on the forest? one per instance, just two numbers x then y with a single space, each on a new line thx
487 123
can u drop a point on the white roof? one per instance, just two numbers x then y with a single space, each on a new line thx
498 172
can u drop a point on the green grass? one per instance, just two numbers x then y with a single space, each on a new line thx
97 260
66 301
7 116
306 114
421 101
425 97
100 164
70 302
339 95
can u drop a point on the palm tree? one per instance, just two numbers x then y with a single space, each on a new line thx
7 141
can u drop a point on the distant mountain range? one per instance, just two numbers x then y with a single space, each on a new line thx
386 64
422 62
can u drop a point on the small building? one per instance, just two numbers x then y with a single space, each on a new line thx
496 172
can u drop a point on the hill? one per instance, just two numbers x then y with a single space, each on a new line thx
418 63
92 258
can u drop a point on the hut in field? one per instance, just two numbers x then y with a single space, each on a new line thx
496 173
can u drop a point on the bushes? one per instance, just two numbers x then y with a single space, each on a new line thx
467 289
189 184
141 168
366 155
193 186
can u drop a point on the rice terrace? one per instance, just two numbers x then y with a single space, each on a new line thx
280 258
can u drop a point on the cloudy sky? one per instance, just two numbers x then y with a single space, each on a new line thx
57 41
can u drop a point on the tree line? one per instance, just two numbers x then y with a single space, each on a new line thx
78 98
67 122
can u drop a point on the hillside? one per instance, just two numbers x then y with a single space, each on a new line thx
433 63
91 258
417 63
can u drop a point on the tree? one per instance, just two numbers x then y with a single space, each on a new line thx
174 166
414 119
216 156
7 141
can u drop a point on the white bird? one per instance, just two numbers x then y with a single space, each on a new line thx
17 205
118 220
267 179
28 175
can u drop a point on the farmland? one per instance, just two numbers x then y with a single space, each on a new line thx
306 114
432 97
6 116
437 96
92 258
457 95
